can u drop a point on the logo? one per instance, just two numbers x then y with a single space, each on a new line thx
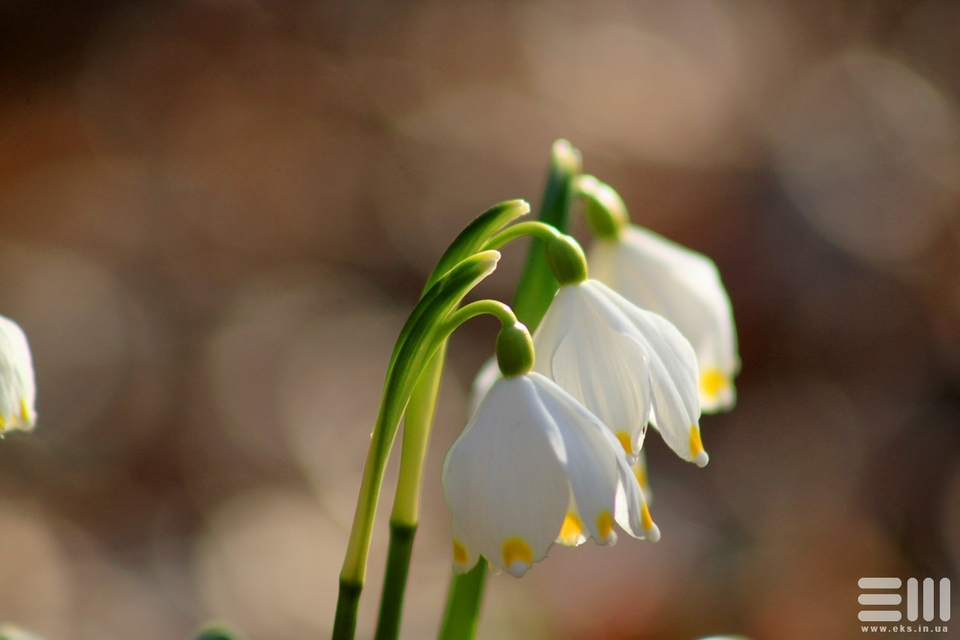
885 599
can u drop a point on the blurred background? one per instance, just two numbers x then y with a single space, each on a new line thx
215 216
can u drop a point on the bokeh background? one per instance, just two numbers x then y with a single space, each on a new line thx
215 216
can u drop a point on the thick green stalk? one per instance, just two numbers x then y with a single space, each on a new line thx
348 602
537 285
395 580
463 604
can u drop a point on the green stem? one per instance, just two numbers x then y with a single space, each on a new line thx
395 580
502 312
419 340
533 228
463 604
348 602
418 422
537 284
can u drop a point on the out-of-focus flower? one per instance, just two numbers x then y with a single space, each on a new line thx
17 385
534 467
684 287
627 365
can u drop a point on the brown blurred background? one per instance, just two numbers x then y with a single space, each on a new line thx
215 216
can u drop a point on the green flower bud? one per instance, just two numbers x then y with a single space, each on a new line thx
566 259
514 350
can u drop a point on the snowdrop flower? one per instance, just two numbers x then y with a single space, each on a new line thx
662 276
17 386
627 365
534 467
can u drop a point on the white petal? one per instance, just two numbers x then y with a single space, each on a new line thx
596 361
591 462
486 376
556 324
673 375
683 286
503 478
632 512
465 555
17 384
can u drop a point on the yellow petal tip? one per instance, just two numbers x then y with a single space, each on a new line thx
713 382
624 439
605 528
649 526
697 454
572 530
517 556
460 554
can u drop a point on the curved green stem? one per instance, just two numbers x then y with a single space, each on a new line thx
534 228
491 307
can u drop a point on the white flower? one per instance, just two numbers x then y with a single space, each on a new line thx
534 467
17 387
684 287
627 365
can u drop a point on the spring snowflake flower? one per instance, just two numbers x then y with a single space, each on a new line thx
627 365
534 467
684 287
17 386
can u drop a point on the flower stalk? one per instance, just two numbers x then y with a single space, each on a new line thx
419 340
462 266
405 516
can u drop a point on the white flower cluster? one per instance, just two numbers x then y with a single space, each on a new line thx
547 454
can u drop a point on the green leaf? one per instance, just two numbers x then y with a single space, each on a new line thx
415 345
484 227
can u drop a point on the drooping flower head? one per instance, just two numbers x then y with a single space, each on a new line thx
673 281
627 365
17 386
534 467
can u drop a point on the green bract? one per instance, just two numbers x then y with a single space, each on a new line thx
476 234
